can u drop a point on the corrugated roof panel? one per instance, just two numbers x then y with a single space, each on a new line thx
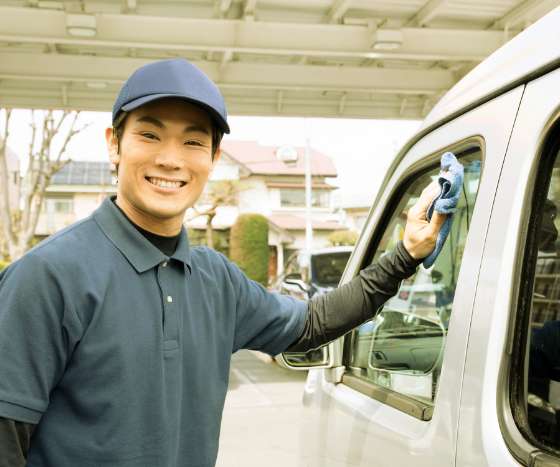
490 11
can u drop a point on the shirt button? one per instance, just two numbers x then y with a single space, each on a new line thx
169 299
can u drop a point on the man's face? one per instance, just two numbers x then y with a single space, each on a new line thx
164 162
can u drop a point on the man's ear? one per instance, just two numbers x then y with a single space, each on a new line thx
112 145
216 157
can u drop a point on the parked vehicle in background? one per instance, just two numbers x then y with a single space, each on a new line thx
462 366
307 274
317 272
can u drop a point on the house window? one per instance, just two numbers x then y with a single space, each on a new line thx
290 198
59 205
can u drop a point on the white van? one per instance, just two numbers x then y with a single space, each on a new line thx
467 373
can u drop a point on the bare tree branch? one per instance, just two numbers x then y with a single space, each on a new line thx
33 171
219 194
5 197
6 131
71 133
65 114
44 161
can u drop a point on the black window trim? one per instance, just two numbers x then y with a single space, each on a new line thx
512 415
410 406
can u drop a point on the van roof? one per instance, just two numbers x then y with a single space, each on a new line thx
328 250
528 55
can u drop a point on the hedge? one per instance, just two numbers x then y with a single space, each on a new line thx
3 264
249 246
343 237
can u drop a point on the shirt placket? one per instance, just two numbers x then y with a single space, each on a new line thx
167 284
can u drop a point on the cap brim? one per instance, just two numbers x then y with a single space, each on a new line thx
152 97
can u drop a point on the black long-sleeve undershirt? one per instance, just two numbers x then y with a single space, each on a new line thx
333 314
15 438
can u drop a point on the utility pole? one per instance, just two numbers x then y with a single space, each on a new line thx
308 224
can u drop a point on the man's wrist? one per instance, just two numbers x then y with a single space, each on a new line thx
406 257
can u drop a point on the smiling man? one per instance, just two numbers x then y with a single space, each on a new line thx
116 335
164 158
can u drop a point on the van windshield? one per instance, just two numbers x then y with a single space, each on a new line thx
327 268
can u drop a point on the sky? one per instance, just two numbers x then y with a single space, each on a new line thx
360 149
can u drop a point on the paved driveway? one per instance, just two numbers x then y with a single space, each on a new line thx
261 422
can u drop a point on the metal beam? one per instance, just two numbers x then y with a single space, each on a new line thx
226 58
403 106
114 70
342 103
17 96
224 6
249 9
64 93
338 10
131 5
279 98
26 25
426 13
522 12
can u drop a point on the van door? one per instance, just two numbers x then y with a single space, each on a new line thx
394 397
514 346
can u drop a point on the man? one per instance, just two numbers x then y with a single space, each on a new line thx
116 336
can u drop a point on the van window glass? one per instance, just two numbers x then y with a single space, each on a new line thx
402 347
542 378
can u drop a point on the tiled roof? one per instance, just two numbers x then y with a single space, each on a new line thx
291 222
263 160
83 173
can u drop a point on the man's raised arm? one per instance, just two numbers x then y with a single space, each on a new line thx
338 312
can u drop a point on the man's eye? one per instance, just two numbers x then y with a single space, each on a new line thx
193 142
149 135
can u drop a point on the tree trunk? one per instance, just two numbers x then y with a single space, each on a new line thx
209 231
19 217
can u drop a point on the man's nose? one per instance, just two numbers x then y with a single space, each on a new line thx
170 157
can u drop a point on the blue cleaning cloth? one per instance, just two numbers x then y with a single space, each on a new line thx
450 180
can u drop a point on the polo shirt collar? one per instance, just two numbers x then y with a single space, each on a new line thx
132 244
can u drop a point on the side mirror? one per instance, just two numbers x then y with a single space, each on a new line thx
318 358
300 284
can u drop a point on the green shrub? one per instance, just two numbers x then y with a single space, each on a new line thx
221 239
249 246
343 237
3 264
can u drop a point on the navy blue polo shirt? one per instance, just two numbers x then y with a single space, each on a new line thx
121 354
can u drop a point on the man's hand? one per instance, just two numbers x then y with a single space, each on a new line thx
419 234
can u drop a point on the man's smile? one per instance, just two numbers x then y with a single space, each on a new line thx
166 183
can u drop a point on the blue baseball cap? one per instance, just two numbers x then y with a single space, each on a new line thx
171 78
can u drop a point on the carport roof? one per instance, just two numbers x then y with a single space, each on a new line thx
335 58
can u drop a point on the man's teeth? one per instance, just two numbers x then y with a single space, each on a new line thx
165 183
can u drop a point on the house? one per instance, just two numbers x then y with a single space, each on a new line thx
74 193
269 180
355 216
272 183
